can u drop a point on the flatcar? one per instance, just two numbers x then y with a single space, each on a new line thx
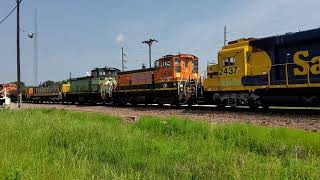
173 80
279 70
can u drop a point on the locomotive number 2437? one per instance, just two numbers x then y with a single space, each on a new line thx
228 71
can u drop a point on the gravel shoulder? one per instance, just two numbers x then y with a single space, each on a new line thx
298 119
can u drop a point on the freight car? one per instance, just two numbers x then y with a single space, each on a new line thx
174 80
279 70
43 94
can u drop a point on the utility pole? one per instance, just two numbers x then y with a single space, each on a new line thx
35 49
225 36
150 42
123 59
18 53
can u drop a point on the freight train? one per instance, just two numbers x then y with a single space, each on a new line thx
278 70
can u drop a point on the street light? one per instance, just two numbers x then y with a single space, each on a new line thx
34 35
30 35
149 42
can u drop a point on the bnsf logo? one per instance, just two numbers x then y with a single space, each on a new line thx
314 65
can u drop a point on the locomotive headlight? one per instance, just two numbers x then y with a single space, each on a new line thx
181 85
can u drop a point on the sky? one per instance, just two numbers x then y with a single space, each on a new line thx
78 35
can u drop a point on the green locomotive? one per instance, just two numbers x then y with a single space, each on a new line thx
94 88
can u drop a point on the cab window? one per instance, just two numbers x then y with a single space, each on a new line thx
177 62
178 68
156 64
195 63
186 63
166 64
95 73
229 61
195 68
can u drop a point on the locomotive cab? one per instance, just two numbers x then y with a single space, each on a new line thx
179 67
106 72
224 82
227 74
178 73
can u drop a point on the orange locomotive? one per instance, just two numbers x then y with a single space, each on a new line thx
11 90
173 80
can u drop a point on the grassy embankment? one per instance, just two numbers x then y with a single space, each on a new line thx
55 144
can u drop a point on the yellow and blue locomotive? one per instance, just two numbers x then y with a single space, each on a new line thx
278 70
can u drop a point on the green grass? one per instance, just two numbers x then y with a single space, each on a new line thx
59 144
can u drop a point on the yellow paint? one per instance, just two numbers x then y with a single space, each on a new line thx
66 88
259 63
315 69
300 62
225 76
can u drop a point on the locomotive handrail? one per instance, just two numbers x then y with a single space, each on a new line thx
277 64
285 65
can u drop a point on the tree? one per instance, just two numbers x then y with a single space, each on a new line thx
22 84
47 83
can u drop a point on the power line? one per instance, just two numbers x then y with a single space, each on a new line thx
5 18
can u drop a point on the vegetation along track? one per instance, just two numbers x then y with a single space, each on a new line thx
306 119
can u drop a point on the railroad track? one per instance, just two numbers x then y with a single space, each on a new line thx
299 118
240 109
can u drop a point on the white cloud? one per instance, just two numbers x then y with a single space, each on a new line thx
120 39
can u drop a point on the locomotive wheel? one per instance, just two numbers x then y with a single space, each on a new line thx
254 106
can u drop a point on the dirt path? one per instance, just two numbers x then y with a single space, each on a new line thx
299 119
